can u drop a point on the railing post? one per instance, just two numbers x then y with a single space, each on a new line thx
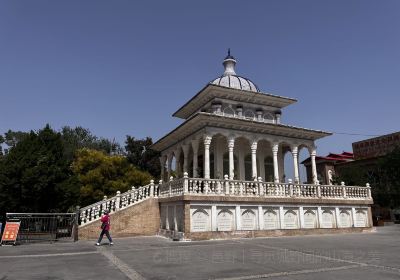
368 191
76 224
185 183
290 187
159 187
226 184
344 190
260 187
319 190
118 201
151 188
170 185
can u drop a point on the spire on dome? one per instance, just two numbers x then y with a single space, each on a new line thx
229 64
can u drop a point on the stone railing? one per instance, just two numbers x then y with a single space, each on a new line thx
221 187
120 201
226 187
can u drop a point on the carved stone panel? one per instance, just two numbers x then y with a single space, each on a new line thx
345 218
361 218
163 217
226 219
310 218
249 218
171 217
328 218
200 218
179 217
271 218
291 219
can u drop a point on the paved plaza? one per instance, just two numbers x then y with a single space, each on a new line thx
346 256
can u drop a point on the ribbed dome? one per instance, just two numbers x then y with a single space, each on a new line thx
231 80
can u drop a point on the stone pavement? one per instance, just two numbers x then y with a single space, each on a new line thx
346 256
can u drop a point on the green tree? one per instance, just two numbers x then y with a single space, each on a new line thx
387 192
79 137
100 174
141 155
35 176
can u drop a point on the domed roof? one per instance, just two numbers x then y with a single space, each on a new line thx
230 79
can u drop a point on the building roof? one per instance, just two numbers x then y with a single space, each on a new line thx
343 157
230 79
202 120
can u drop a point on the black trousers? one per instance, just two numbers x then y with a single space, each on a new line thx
106 233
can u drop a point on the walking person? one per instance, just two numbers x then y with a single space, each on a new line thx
105 227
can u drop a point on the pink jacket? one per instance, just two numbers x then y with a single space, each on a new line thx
106 219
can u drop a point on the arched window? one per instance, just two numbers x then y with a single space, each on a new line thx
269 169
268 117
228 111
248 114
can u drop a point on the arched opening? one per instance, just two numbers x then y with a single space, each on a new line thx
303 155
288 168
248 114
248 168
269 169
226 165
268 118
228 111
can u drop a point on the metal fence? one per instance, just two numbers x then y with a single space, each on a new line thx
36 227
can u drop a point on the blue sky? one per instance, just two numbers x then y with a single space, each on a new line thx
123 67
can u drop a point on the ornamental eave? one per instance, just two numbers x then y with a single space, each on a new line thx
202 120
210 91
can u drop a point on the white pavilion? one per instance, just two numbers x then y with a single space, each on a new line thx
223 176
232 128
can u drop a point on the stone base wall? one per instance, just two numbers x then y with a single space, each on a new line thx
142 219
197 236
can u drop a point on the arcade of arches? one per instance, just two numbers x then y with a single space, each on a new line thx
240 157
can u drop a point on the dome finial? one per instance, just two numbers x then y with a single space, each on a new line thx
229 64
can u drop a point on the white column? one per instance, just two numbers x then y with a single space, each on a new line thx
238 216
275 148
213 218
207 142
254 160
185 149
319 213
281 217
337 216
313 165
295 152
301 210
260 218
231 145
353 216
175 219
167 219
195 146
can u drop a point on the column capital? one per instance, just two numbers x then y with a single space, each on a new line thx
295 149
254 146
195 145
275 147
231 142
313 150
185 149
207 139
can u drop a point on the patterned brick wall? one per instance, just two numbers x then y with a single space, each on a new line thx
140 219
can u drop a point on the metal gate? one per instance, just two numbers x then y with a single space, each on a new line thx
36 227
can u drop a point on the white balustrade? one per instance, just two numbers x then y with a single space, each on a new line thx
222 187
